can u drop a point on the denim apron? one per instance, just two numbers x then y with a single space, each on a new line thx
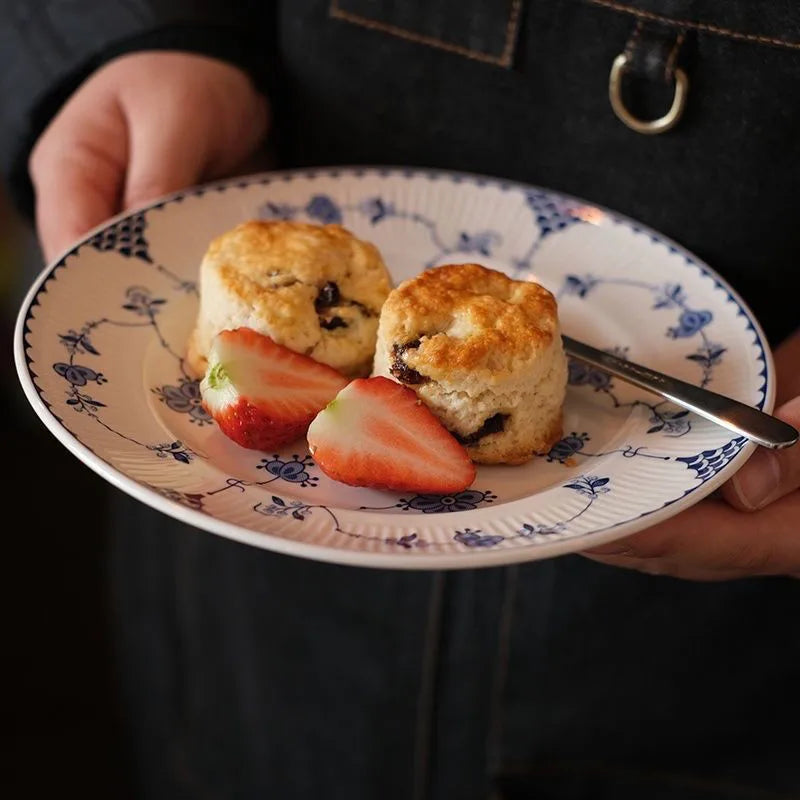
248 674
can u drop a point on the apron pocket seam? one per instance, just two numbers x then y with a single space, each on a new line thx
504 59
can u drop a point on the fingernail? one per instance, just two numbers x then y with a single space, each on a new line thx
610 549
757 481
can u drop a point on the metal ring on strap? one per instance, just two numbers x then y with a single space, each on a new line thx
660 125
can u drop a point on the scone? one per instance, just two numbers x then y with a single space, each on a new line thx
316 289
484 352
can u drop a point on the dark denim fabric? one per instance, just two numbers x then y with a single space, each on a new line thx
249 674
253 675
472 28
723 182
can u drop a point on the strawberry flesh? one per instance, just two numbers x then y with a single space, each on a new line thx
377 433
261 394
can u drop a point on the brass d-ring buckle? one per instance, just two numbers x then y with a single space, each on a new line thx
660 125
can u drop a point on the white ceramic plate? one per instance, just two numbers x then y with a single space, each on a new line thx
100 341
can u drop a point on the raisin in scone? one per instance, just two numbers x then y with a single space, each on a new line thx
484 352
316 289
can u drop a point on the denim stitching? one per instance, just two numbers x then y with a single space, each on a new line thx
631 44
503 60
669 64
669 67
700 26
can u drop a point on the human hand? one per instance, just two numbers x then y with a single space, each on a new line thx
753 530
142 126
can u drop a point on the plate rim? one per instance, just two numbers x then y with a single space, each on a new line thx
365 558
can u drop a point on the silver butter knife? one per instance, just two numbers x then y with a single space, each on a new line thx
761 428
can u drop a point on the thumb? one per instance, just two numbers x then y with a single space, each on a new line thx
165 156
77 169
770 474
204 123
144 125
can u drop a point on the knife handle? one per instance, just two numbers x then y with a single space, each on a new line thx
745 420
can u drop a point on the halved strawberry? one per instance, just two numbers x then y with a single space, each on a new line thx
378 433
261 394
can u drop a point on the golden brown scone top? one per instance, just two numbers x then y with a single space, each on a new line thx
468 317
254 257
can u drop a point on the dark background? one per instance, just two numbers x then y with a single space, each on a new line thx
61 714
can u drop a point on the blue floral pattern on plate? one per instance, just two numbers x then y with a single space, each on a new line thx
101 356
